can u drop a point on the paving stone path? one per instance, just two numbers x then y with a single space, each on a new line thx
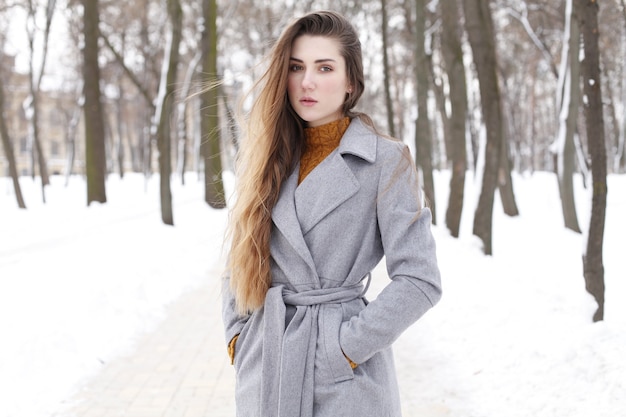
178 370
181 369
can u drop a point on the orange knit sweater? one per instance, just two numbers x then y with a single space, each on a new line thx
320 142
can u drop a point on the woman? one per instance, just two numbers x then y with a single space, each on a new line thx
321 198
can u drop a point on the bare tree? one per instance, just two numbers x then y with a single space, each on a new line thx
593 267
163 108
619 157
209 124
505 181
522 17
7 145
31 105
386 72
95 154
118 125
423 131
134 40
72 121
453 57
181 123
479 26
568 100
526 49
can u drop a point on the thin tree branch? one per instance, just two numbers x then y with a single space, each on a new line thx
133 78
523 19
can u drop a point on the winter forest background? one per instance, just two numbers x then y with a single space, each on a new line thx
477 87
481 90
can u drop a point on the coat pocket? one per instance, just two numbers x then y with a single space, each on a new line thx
339 366
240 344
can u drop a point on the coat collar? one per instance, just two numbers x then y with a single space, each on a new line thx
300 207
359 140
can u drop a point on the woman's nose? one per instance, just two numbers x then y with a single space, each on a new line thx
308 81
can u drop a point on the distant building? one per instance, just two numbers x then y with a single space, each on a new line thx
55 112
127 127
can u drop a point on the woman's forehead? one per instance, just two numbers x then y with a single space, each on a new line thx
315 48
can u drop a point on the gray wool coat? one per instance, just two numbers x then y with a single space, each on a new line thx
329 232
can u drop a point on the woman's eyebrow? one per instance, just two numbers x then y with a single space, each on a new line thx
317 61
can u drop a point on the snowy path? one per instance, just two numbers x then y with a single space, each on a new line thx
78 284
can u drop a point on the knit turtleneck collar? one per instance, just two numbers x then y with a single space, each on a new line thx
320 142
326 134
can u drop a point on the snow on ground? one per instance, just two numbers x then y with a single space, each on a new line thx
511 337
78 284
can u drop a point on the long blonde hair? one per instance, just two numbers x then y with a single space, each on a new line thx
273 140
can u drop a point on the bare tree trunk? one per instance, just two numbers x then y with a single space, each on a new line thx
505 182
209 123
437 86
620 159
120 118
8 151
198 147
593 266
162 113
146 145
181 124
232 123
70 134
481 36
386 72
32 103
613 130
423 136
619 162
457 151
568 102
581 155
120 127
95 153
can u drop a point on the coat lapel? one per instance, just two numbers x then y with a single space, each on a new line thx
332 182
323 190
299 208
286 220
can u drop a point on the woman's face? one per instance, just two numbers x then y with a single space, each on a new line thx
317 81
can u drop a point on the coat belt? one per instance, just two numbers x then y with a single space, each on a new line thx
289 353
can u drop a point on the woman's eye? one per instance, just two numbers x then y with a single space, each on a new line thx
326 68
295 67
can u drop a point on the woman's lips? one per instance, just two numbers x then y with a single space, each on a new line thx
307 101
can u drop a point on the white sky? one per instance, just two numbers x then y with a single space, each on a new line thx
17 44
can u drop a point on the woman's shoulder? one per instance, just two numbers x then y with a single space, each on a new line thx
363 140
390 149
389 145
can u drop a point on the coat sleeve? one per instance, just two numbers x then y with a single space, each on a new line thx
410 254
233 322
